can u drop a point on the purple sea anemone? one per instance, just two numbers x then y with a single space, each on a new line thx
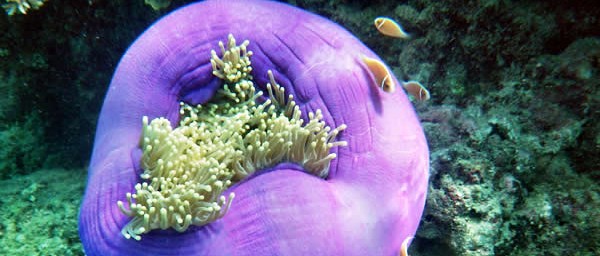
373 195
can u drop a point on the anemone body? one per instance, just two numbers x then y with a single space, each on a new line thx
373 196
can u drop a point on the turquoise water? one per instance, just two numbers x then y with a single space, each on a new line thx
512 122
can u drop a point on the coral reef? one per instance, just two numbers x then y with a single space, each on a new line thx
507 128
512 123
45 71
21 6
39 213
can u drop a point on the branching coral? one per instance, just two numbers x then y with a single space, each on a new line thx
12 6
186 169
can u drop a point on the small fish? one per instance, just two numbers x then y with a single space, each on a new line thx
389 27
417 90
404 246
382 75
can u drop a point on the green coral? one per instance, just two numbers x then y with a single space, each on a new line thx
39 213
186 169
21 6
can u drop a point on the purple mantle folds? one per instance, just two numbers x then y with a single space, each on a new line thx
376 189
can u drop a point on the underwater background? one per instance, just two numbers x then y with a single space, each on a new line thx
512 123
